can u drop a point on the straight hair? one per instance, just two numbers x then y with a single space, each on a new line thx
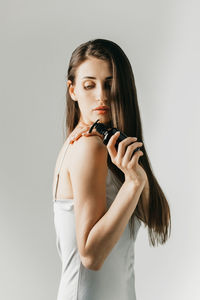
125 116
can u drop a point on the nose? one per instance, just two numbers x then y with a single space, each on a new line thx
101 94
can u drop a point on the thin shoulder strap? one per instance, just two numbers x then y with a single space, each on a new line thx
67 145
58 172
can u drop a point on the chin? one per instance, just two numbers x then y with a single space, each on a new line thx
103 119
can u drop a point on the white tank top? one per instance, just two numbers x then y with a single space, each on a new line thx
116 279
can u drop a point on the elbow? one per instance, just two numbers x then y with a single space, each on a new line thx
90 263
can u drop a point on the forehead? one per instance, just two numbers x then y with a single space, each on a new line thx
94 67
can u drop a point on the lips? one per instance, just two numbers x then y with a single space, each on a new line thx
102 107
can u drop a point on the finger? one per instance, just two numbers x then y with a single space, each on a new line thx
122 147
84 132
135 158
73 137
78 134
92 134
111 145
130 151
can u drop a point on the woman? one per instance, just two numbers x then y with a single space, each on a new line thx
101 195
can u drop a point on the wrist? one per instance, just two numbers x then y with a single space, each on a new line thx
135 183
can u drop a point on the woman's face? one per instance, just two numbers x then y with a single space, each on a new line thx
94 91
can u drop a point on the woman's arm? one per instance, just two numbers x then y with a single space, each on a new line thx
108 230
97 229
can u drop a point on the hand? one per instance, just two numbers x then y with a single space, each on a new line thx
125 161
83 130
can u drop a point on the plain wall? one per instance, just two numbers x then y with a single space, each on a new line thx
161 40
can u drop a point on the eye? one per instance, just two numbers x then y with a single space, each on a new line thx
88 87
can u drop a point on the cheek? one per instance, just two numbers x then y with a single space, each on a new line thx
86 99
86 103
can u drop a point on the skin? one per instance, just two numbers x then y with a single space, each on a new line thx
91 93
97 229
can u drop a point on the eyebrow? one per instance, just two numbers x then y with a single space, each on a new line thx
91 77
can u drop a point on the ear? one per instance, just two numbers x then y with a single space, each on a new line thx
71 90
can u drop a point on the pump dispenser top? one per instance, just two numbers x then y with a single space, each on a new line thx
108 132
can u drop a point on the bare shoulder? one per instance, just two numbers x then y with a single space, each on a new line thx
86 150
92 140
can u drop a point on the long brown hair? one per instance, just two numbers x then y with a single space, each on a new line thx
125 116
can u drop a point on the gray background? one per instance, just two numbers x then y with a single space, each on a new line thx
161 39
